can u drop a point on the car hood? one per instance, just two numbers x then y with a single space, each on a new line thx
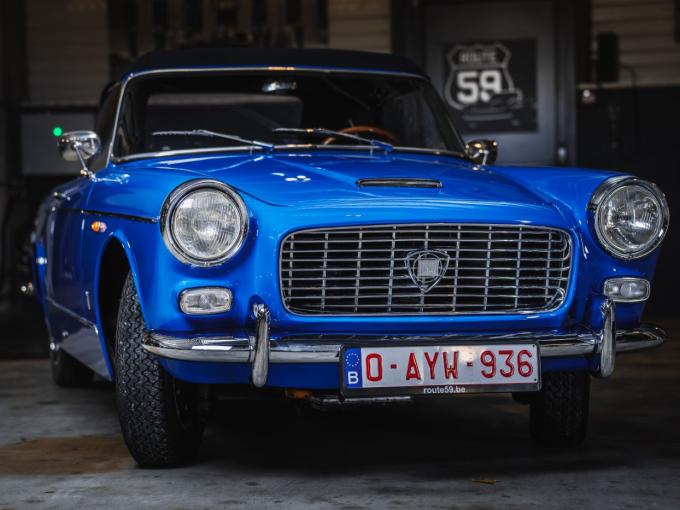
313 179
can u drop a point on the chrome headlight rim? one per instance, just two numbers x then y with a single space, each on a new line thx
170 206
602 195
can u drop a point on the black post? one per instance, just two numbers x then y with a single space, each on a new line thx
407 27
13 90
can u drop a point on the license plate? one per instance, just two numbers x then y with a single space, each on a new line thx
440 370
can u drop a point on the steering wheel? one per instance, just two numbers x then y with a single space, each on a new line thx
356 130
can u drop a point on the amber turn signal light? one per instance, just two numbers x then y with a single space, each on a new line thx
98 226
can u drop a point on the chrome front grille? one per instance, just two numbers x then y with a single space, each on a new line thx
384 269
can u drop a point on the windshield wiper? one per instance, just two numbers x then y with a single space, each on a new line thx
215 134
339 134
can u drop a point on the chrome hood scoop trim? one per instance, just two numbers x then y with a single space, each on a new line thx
399 182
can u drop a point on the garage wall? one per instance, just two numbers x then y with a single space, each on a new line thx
68 50
3 115
634 129
3 155
62 34
646 30
360 25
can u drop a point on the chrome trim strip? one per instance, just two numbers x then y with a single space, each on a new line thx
132 217
326 348
331 400
642 338
186 152
399 182
224 349
220 355
63 309
282 148
275 69
558 302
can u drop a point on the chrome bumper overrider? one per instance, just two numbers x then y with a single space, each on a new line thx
261 350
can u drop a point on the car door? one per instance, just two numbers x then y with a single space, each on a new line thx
68 274
67 299
64 268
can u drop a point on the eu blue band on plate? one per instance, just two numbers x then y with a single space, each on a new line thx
352 368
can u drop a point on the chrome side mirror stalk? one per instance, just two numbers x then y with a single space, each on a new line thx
81 146
482 152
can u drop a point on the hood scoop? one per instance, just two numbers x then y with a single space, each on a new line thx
399 182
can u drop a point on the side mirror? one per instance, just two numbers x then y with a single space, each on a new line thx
482 152
80 146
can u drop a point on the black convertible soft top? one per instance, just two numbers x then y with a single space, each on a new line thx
223 57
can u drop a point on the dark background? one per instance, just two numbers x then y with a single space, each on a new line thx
613 66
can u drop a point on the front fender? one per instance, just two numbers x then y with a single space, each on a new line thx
571 189
95 246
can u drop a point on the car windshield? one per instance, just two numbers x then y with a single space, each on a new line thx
254 110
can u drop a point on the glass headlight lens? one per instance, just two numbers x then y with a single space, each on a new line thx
204 223
631 218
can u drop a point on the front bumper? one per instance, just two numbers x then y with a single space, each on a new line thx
261 350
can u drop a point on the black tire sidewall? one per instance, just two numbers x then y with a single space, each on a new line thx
149 400
560 411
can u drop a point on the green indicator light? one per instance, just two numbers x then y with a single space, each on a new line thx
57 131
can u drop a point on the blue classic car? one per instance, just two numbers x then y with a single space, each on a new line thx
309 223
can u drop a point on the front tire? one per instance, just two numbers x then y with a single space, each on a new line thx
159 415
559 412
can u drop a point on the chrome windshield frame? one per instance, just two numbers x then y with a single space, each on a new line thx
111 158
210 151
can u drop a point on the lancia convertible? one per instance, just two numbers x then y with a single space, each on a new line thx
309 223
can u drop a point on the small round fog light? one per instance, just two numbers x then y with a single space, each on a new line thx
627 290
205 300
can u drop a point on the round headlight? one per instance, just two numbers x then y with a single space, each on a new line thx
631 216
204 222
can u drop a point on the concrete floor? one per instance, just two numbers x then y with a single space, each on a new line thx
62 449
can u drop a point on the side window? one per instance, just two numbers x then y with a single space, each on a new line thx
104 124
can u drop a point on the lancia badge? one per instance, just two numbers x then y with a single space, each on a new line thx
427 267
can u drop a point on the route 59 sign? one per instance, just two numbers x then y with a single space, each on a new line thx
491 86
